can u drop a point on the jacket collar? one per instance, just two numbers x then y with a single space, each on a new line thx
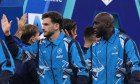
112 38
57 41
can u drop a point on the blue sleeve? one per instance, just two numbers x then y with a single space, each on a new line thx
88 55
18 41
6 62
78 62
27 53
133 55
24 52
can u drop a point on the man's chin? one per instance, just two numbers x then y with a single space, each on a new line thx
45 35
98 36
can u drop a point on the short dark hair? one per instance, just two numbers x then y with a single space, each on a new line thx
29 31
55 17
69 25
89 33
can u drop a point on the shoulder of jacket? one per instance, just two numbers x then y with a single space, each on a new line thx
96 42
123 36
41 41
123 39
67 39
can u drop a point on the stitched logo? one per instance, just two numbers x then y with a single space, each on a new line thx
59 56
115 48
59 50
99 51
114 53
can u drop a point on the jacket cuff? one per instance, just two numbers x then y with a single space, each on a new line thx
82 79
5 76
8 38
135 77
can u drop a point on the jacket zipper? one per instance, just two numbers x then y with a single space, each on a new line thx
106 61
51 62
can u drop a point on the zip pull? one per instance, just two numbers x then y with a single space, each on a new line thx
51 43
107 42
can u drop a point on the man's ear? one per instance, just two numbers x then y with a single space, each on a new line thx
32 39
57 25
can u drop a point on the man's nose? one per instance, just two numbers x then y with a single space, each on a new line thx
42 27
94 27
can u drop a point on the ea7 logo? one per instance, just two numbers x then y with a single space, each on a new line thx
106 2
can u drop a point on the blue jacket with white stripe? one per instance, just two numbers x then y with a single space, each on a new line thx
53 60
25 73
108 64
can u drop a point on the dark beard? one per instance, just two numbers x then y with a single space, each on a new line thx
49 34
99 35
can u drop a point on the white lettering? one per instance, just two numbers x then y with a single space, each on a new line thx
115 53
60 56
54 0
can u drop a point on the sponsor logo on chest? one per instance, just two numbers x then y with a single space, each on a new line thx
115 48
115 53
59 56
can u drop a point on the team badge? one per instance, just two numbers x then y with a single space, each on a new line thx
59 50
115 48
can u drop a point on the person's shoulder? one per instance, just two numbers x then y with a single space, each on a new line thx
42 41
96 43
123 36
68 39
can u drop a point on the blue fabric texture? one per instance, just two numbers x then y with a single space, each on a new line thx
53 59
107 59
6 64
